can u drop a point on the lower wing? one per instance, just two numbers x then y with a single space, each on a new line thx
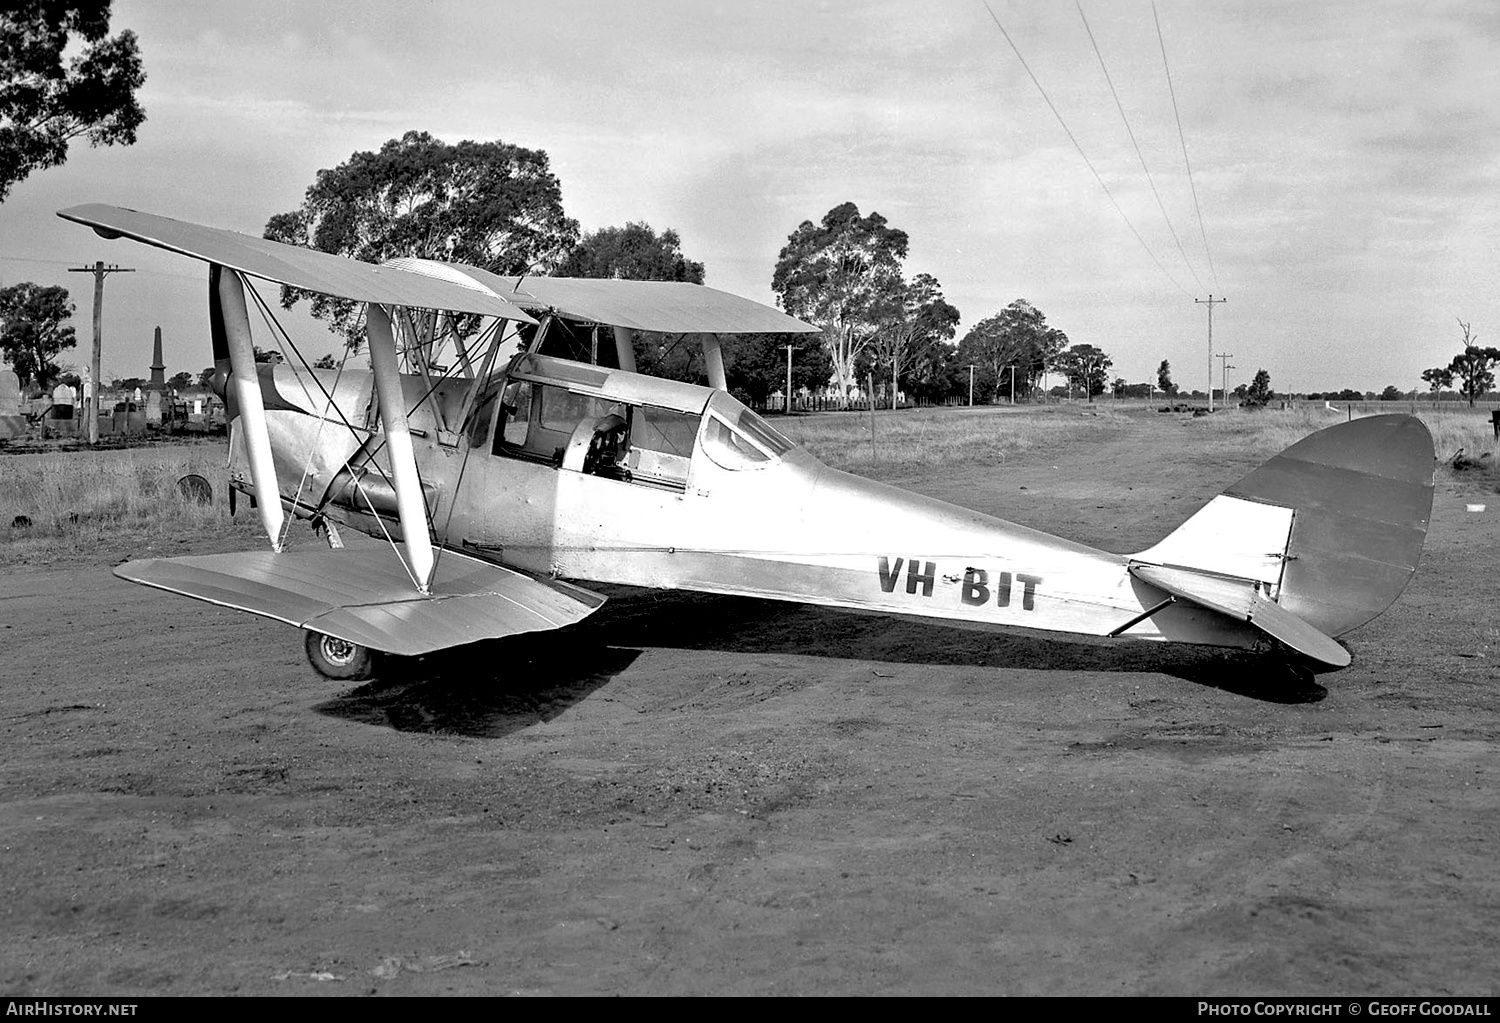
367 597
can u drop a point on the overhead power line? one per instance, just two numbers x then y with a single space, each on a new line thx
1183 139
195 278
1089 163
29 259
1137 146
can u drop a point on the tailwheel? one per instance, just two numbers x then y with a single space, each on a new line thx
339 659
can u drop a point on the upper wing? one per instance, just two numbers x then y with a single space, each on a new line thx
298 267
366 597
668 307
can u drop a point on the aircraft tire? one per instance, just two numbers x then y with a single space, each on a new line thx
339 660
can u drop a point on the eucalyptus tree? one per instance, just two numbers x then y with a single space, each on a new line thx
34 329
62 77
1086 366
634 252
1015 345
492 205
1438 378
1474 366
1164 379
842 275
913 317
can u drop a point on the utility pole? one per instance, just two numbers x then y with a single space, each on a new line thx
1224 374
100 271
1210 302
787 405
1012 384
971 385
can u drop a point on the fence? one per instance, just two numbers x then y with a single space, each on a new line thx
1359 406
824 403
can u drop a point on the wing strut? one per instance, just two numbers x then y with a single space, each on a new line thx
246 381
410 506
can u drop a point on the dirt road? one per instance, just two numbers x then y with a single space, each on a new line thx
690 795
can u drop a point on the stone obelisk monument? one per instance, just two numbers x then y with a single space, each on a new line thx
156 390
158 370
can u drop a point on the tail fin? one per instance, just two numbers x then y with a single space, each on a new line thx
1361 493
1332 528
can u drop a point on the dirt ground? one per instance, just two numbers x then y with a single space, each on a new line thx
692 795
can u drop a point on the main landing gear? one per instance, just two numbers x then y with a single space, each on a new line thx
339 659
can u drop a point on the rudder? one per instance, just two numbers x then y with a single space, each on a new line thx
1361 496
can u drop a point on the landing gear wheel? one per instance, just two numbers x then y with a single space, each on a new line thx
339 659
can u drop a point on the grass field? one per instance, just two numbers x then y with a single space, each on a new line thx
990 436
58 502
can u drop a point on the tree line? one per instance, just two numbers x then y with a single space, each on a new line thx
891 335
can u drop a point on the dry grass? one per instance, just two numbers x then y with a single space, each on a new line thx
64 502
989 436
981 436
1269 431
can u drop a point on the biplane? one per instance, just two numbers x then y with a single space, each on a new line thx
504 447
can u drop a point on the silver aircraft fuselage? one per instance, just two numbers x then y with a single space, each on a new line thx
698 493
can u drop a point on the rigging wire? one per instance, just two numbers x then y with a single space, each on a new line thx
1183 139
492 337
1137 146
313 448
1066 130
277 329
195 278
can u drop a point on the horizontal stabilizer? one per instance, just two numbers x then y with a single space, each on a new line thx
367 597
1242 599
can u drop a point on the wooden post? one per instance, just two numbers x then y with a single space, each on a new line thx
787 405
100 271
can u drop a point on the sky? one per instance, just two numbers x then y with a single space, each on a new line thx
1345 156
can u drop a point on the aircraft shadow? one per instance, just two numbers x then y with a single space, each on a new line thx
483 690
693 621
494 688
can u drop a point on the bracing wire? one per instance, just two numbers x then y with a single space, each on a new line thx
313 448
463 465
278 330
280 334
1071 138
1137 146
1183 139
